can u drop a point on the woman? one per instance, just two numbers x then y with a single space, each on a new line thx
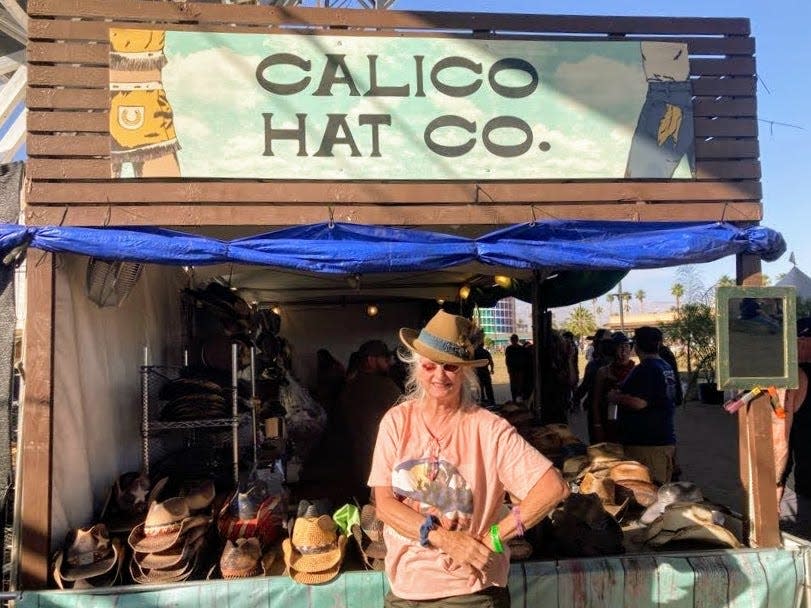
608 377
440 471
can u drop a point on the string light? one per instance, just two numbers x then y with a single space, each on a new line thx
277 310
503 281
372 310
464 292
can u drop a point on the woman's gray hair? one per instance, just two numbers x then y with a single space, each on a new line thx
416 392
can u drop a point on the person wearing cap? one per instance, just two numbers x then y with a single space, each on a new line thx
362 403
792 443
647 407
601 427
441 468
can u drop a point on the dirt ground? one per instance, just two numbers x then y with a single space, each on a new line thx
707 448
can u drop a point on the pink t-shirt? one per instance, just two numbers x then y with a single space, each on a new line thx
461 478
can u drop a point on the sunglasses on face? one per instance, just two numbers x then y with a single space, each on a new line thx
430 366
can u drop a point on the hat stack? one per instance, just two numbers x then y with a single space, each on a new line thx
88 558
314 551
166 546
369 538
252 513
618 484
193 399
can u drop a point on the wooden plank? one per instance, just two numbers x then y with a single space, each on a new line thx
69 76
333 193
740 86
67 99
725 127
36 426
387 215
67 145
49 29
711 580
738 107
727 148
137 10
675 586
733 66
69 52
764 529
640 580
541 585
746 580
92 122
728 169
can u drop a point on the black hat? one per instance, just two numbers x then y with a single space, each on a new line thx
374 348
619 337
600 334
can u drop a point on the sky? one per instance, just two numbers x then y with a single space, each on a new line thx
783 54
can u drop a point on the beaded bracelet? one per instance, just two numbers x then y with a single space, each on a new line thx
496 539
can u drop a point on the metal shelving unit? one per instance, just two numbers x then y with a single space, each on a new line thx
154 376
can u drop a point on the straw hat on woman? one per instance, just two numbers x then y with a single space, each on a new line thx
440 470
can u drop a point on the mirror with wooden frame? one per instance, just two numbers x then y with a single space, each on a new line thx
756 336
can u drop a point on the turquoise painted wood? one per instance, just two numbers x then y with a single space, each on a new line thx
768 578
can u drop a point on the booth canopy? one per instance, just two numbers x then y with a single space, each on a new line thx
561 249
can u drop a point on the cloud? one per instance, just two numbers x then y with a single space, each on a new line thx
600 82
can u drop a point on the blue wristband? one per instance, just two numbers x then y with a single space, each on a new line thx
430 523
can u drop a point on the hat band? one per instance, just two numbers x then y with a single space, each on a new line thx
158 529
442 345
90 557
318 549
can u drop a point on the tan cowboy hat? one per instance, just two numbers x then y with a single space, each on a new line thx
177 573
88 553
573 465
605 452
445 338
604 488
314 578
642 493
685 521
629 469
314 545
180 551
106 579
165 523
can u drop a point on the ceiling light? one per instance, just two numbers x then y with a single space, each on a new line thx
276 310
372 310
464 292
503 281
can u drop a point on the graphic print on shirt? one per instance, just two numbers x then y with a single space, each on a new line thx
445 493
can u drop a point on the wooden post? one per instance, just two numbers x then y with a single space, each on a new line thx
35 441
756 450
537 337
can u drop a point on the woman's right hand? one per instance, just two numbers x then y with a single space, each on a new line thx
465 550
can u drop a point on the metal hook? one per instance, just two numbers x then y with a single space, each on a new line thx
331 223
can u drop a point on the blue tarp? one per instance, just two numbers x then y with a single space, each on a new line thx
354 248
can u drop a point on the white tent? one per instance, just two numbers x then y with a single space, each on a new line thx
799 280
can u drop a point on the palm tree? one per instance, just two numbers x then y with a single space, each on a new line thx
765 279
640 295
725 281
626 298
580 322
677 291
609 297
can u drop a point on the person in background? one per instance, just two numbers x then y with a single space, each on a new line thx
362 404
601 427
598 359
792 444
441 468
514 356
647 406
667 354
572 351
484 373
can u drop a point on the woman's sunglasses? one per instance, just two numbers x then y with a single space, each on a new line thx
430 366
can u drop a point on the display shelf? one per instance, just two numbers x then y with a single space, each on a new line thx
157 427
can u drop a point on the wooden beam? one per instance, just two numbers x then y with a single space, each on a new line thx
323 193
17 13
387 215
13 139
11 62
36 435
12 93
757 463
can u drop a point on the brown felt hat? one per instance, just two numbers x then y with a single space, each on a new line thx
685 521
642 493
104 579
88 553
446 338
630 469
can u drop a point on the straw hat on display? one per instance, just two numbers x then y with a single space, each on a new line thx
166 522
369 538
314 551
